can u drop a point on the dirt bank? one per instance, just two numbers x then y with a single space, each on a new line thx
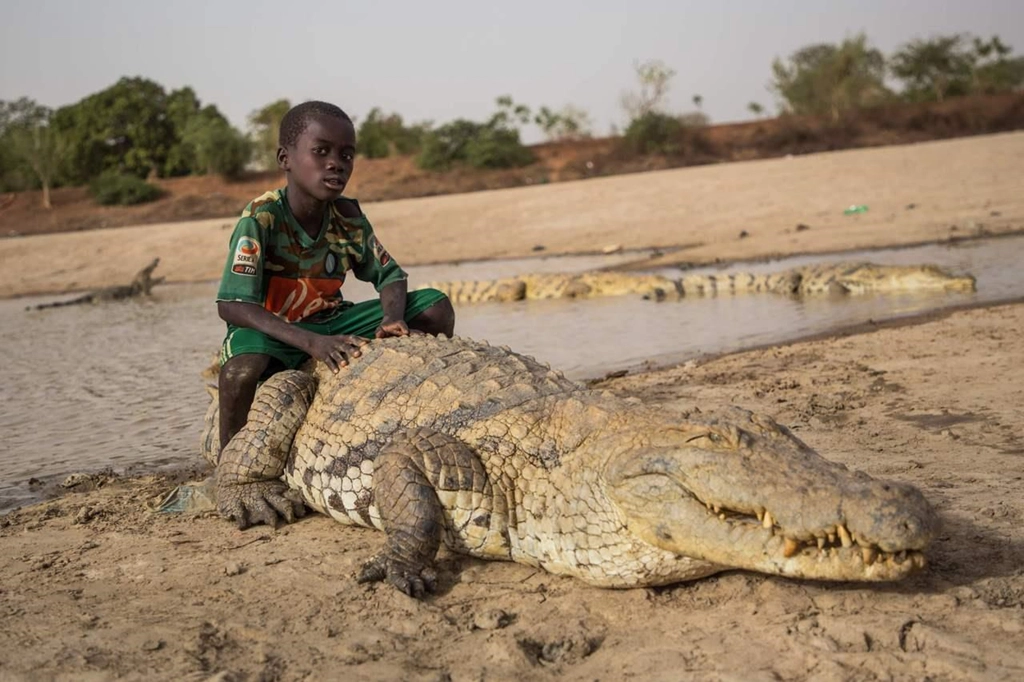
915 193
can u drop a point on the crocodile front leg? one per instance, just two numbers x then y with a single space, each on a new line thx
427 485
249 485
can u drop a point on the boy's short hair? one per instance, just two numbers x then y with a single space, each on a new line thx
298 117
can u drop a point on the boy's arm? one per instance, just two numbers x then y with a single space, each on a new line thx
334 351
392 303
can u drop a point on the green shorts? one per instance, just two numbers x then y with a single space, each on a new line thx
361 319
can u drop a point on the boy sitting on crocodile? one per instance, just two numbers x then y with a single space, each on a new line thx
281 291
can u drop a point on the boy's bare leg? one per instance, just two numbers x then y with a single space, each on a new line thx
437 319
237 385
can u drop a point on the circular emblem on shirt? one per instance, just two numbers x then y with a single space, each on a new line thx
330 263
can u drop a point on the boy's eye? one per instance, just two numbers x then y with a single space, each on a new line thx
320 150
348 156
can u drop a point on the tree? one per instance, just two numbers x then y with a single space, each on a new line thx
992 69
124 128
756 109
829 80
27 132
509 113
381 135
698 101
265 124
570 123
653 77
935 68
494 144
216 146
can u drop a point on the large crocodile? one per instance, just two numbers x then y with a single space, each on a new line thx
500 457
830 278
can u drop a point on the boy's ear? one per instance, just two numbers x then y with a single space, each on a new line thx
282 159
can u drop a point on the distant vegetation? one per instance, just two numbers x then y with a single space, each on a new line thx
117 139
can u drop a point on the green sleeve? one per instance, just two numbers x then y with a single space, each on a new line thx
376 265
243 272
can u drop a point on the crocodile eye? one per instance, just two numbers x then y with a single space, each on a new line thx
715 438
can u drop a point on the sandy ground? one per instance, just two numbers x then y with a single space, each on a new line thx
95 587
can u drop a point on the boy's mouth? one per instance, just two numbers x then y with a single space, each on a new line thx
335 182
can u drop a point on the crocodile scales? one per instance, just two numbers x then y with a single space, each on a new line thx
497 456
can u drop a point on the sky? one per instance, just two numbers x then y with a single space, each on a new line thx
436 61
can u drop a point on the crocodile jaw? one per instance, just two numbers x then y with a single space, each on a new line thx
770 505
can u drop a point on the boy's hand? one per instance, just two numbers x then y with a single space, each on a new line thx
392 328
336 351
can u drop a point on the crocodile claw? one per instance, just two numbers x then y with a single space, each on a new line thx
415 581
262 502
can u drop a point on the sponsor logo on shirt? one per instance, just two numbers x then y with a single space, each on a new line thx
247 257
383 257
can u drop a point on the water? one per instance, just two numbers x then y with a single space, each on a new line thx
90 387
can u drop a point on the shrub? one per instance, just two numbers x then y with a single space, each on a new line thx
113 188
480 145
497 148
381 135
655 133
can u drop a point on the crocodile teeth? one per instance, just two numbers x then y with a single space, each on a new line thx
760 515
821 543
844 536
869 554
767 521
790 547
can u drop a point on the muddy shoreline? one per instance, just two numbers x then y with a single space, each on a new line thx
94 586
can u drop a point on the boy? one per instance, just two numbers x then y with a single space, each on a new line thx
281 290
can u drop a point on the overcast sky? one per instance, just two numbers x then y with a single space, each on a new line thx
451 58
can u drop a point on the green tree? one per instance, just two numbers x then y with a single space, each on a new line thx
935 68
571 123
829 80
124 128
204 142
756 109
381 135
216 146
698 101
28 135
494 144
653 77
993 71
265 124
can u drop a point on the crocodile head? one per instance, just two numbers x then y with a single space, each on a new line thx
745 493
862 278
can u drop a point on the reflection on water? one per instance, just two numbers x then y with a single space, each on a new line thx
90 387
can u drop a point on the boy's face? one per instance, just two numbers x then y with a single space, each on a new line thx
320 164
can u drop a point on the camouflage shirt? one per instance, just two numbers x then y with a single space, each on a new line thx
274 263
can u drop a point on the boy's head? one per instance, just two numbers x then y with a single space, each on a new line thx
317 147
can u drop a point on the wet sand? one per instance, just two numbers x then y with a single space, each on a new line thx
92 586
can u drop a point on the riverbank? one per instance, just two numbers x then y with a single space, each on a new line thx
96 587
928 192
93 586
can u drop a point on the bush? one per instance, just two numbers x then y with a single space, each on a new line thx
655 133
480 145
381 135
119 189
497 148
